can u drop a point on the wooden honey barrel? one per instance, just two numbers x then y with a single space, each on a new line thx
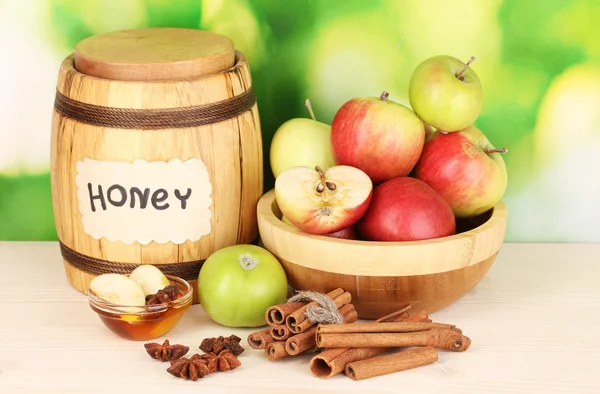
156 152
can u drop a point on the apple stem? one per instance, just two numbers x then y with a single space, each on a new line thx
459 74
384 96
247 261
310 109
499 150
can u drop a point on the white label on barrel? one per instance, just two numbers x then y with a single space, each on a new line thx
145 201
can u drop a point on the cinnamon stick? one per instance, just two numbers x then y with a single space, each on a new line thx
439 338
260 339
280 332
299 343
331 362
276 351
383 327
399 315
299 315
276 314
420 316
382 365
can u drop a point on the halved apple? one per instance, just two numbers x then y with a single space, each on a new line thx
287 221
345 233
323 202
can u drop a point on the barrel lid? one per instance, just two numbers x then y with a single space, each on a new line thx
152 54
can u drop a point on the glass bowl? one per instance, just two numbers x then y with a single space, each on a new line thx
141 323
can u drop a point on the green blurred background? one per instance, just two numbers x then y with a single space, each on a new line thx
539 62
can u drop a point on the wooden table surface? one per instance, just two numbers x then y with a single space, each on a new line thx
534 321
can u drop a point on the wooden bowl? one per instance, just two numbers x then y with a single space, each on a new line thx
385 276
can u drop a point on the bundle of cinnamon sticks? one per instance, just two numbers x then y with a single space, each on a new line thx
289 332
356 349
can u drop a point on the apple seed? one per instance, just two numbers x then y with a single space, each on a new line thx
324 182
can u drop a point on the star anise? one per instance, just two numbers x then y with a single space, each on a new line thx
224 361
192 368
163 296
166 351
217 345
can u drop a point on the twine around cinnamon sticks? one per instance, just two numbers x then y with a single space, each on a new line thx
291 331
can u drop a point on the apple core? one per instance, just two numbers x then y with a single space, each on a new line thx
323 202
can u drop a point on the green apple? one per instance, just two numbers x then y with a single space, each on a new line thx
301 142
238 283
477 31
118 289
446 93
149 278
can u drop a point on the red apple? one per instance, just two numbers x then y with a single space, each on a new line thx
465 169
379 136
347 233
406 209
319 202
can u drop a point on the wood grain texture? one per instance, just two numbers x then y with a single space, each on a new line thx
231 150
384 276
376 296
533 321
350 257
154 54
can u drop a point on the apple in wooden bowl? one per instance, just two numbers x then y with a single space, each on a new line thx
382 276
407 215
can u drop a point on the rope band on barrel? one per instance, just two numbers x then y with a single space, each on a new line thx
187 270
152 119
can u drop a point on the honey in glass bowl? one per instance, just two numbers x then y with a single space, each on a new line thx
141 323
